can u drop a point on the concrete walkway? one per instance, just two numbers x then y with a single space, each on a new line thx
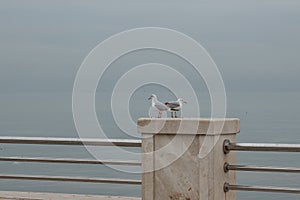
9 195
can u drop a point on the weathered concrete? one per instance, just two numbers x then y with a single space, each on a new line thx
5 195
183 158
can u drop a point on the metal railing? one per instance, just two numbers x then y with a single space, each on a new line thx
69 179
69 160
229 146
70 141
249 168
228 187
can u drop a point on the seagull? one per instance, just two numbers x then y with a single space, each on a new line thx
159 106
175 106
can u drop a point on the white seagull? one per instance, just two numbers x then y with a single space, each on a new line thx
159 106
175 106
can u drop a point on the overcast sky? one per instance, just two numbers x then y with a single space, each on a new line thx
255 43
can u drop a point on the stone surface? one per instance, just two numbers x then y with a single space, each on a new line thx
202 126
187 162
148 166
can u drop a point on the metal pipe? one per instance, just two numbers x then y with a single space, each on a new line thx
68 160
70 141
228 146
228 167
228 187
70 179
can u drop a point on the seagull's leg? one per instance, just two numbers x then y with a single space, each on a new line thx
159 115
175 114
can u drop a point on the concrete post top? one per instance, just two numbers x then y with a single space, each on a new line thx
191 126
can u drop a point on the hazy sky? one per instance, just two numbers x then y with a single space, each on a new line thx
255 43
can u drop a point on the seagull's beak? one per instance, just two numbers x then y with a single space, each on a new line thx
149 98
184 102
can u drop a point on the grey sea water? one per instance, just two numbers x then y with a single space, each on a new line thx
265 117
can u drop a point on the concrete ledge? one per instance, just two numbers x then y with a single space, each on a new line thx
9 195
193 126
183 158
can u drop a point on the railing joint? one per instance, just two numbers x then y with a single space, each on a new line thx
226 187
225 167
226 143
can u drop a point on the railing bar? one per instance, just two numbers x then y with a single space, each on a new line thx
228 146
70 179
228 187
71 141
68 160
262 169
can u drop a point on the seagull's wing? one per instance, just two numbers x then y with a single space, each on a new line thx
161 107
172 104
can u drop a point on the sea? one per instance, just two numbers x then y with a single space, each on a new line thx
266 117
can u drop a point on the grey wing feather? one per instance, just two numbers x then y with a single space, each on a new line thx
172 104
161 106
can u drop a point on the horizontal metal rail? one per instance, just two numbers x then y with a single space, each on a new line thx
70 141
69 160
228 146
228 187
228 167
70 179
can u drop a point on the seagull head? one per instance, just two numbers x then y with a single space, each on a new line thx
181 100
153 96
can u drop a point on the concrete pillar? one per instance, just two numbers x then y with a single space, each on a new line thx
183 158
